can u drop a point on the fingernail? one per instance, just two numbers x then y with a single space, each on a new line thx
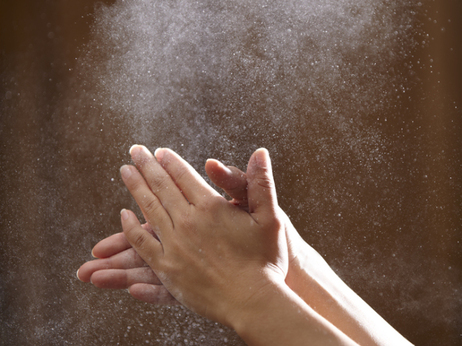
225 168
124 214
262 157
217 162
125 171
159 154
77 274
221 165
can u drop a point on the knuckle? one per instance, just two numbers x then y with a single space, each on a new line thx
180 174
136 238
210 205
135 258
277 223
237 191
265 182
159 182
151 205
139 241
186 221
274 223
135 184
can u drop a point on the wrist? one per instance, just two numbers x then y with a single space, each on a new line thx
255 307
275 315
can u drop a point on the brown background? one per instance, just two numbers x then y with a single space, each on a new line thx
60 194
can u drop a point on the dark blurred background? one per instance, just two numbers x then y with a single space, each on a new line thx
395 238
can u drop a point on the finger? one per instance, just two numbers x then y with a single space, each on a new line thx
115 243
191 184
158 180
152 294
123 278
148 247
123 260
151 206
261 188
231 179
110 246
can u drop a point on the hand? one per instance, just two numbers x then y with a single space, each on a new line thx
205 242
118 266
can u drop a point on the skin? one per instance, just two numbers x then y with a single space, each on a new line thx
291 265
118 265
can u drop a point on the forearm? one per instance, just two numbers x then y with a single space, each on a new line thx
278 316
317 284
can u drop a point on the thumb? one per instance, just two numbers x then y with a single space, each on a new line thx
261 188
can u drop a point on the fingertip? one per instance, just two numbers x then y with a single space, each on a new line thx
262 157
212 164
126 171
133 147
128 221
262 191
262 149
98 251
124 214
140 154
159 154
